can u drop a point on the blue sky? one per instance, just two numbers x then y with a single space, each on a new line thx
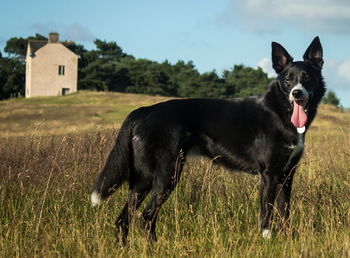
213 34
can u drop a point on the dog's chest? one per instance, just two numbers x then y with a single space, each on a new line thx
297 148
294 152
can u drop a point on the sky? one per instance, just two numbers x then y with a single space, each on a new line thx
215 35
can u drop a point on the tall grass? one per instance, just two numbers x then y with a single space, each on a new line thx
45 210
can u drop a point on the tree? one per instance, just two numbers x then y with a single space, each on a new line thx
210 85
109 51
148 77
184 77
331 99
17 47
246 81
101 69
11 78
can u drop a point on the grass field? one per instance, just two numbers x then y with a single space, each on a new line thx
85 111
52 149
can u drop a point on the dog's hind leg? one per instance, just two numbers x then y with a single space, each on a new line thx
164 184
137 194
267 199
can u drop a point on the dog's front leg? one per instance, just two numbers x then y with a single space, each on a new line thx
268 185
283 193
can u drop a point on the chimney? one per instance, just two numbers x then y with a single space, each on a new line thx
53 37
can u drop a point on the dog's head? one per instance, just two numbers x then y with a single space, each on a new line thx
300 80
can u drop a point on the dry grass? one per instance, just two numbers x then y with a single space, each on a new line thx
45 209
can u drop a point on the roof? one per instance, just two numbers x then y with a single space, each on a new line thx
35 45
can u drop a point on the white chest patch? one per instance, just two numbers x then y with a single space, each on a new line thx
298 147
296 150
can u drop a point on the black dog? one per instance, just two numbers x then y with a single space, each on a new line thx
259 135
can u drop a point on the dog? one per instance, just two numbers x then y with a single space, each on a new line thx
261 135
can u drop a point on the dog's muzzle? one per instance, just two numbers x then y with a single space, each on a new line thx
298 93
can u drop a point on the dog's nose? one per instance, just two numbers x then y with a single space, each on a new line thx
297 93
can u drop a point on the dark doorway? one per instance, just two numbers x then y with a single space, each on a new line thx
65 91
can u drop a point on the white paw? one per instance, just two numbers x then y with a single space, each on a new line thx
266 233
95 199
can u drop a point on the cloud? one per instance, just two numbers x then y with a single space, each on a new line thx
337 78
337 74
266 66
270 16
72 32
344 70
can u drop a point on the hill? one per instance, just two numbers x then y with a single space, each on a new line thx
84 111
89 111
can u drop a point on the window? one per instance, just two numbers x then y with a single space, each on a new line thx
61 70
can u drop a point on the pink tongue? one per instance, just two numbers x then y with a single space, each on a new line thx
299 117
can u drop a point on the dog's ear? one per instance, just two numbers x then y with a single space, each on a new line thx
314 54
280 57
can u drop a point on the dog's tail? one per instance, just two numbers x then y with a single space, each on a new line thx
117 167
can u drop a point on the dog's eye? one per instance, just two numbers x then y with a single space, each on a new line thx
288 80
306 77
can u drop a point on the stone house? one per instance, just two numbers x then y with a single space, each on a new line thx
51 68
